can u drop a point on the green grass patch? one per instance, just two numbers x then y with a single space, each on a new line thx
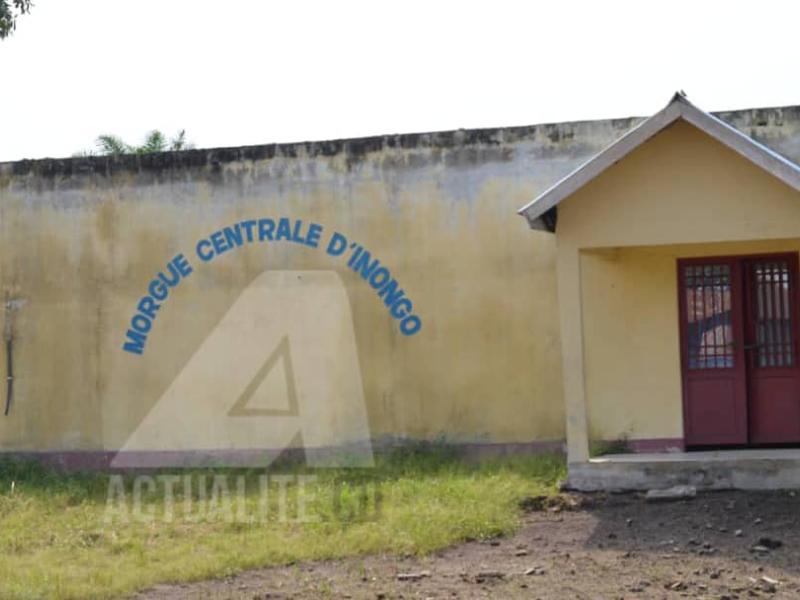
603 447
74 536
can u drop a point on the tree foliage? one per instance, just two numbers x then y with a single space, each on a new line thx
9 11
155 141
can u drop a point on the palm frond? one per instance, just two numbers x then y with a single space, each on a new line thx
112 145
153 142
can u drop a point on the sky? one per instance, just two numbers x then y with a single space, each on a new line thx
244 72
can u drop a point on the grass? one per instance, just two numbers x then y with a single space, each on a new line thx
603 447
61 536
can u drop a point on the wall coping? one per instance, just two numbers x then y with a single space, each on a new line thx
355 149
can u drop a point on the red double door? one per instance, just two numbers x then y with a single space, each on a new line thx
741 381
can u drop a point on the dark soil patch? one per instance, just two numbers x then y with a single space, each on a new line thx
724 545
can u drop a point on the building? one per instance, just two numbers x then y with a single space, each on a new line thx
329 297
677 284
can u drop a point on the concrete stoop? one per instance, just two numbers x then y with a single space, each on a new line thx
714 470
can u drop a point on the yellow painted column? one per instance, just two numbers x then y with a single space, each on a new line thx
571 321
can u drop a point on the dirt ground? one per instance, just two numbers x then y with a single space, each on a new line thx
721 545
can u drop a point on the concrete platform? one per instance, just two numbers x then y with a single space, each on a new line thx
713 470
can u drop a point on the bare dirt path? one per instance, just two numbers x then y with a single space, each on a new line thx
722 545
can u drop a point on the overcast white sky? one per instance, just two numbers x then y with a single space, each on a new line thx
248 72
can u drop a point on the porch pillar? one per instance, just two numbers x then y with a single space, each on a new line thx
571 321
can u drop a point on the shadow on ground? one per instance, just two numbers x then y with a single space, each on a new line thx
722 545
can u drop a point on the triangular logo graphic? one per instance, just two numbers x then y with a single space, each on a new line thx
273 382
297 375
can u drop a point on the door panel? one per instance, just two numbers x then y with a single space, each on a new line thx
713 417
771 331
712 352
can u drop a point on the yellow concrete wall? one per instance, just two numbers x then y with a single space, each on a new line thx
81 239
681 194
76 257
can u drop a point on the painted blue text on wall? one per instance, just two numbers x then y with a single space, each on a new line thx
266 230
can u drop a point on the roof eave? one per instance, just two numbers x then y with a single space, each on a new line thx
617 150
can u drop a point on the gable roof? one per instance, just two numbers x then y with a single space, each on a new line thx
540 211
